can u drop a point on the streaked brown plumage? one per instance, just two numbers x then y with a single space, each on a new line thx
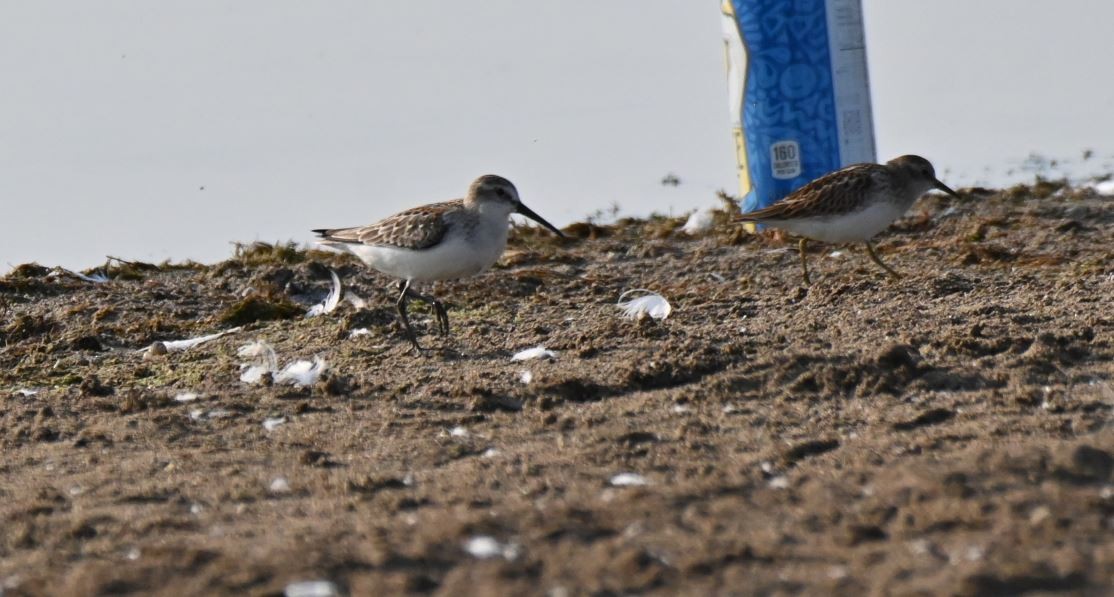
851 204
836 193
438 241
416 228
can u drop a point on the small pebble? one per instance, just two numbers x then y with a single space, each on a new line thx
312 588
274 423
628 480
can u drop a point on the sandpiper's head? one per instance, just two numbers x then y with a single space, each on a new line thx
920 174
496 191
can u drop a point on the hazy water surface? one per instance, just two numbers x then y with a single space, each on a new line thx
154 132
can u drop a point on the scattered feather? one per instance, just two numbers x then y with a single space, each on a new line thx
485 547
26 392
650 304
256 349
681 409
96 278
779 482
311 588
356 301
526 376
490 453
180 345
271 424
534 353
628 480
1105 187
186 397
699 222
356 333
836 254
947 213
263 361
198 414
458 432
331 301
253 373
280 485
302 373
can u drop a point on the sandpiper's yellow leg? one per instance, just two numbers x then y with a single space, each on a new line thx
875 259
804 261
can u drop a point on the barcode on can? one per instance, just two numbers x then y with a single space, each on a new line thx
785 159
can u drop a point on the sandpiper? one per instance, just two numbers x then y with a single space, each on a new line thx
439 241
851 205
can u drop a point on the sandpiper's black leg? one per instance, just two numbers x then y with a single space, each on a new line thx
874 257
801 248
442 316
403 297
438 308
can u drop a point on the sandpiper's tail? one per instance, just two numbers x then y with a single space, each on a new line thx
325 239
332 236
339 236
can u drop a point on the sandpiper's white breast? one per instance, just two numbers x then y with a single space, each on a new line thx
461 253
852 227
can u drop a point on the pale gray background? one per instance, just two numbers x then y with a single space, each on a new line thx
293 115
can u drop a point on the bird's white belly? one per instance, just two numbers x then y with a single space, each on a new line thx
456 256
853 227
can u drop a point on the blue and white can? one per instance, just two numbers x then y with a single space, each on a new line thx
799 92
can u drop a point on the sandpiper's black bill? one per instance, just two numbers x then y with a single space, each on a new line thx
529 213
946 189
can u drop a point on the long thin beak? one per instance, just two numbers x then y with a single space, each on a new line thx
529 213
943 187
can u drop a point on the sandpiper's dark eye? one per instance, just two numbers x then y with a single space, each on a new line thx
501 192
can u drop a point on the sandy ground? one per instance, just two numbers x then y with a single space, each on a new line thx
947 433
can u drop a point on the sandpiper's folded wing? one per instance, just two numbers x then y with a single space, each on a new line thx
830 194
417 228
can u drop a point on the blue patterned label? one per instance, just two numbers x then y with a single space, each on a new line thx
800 99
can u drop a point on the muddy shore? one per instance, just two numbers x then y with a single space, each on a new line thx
946 433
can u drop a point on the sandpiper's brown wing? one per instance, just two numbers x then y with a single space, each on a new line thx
834 193
416 228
